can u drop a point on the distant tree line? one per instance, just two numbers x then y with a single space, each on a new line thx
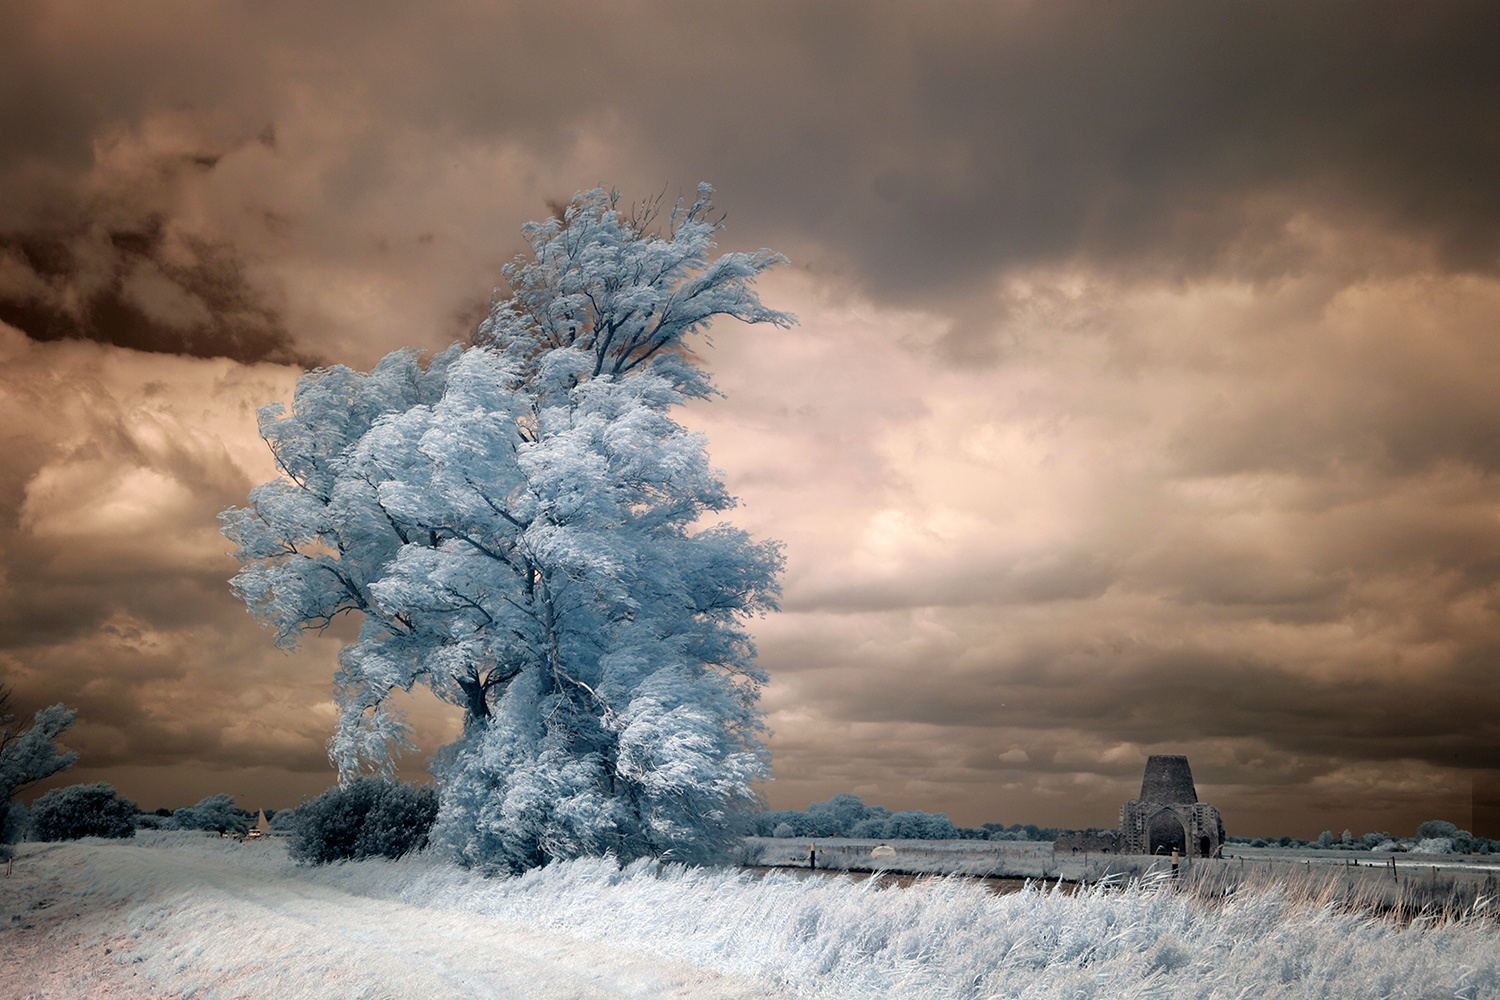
1436 836
97 810
847 815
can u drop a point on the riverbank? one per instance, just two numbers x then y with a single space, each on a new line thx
1005 859
1402 884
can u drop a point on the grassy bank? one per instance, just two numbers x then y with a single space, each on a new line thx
317 932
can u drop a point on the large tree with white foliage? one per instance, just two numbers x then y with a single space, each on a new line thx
524 529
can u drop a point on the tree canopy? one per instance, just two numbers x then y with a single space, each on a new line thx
212 812
29 755
76 811
524 529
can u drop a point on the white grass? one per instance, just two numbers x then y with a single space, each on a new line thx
409 926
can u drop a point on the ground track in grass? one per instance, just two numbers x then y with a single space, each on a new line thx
177 924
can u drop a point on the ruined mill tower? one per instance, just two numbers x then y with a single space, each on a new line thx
1168 814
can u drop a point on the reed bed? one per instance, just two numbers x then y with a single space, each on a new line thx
1404 895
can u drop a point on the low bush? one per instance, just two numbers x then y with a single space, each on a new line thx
369 817
82 811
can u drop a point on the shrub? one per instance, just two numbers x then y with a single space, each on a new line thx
369 817
82 811
767 823
1434 845
398 822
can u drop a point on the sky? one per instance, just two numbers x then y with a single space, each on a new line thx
1142 398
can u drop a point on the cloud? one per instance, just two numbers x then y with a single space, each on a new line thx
115 595
1179 521
917 153
111 259
1142 398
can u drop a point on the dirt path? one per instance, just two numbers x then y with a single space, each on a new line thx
131 923
58 944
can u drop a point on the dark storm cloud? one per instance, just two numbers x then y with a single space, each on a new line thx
923 148
915 149
200 309
1446 719
105 266
1128 690
120 722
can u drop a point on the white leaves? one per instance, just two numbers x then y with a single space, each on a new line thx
366 740
30 756
515 522
625 297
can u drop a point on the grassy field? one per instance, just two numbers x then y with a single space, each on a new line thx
215 919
